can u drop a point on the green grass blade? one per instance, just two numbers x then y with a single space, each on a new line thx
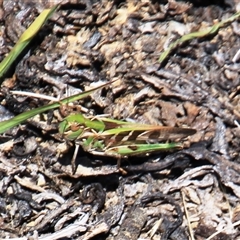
209 31
24 40
7 124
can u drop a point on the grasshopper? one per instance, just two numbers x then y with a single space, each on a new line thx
120 139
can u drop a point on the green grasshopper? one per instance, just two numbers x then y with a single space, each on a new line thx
108 137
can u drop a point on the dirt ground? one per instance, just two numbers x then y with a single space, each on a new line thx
192 193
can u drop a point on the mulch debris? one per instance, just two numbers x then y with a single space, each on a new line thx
188 194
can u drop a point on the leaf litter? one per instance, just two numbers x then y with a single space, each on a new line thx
85 43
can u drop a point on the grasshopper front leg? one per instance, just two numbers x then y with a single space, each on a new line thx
76 127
